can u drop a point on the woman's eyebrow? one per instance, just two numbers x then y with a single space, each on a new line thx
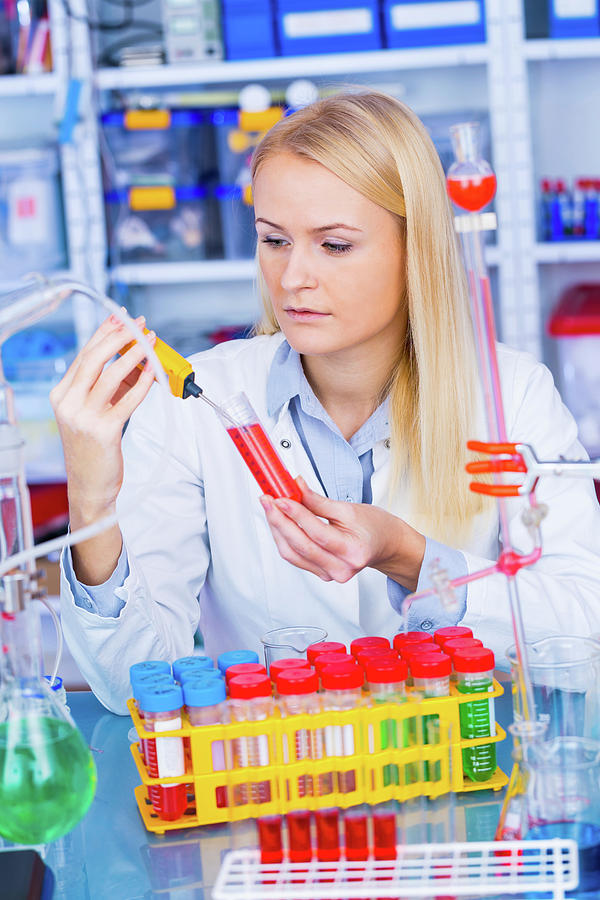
314 230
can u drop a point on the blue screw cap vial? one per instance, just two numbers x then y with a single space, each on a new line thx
234 657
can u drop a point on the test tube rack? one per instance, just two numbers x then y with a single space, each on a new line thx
422 768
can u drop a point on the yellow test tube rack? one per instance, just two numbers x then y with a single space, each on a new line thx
428 766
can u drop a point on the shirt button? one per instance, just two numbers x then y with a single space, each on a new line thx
426 625
387 443
285 444
348 498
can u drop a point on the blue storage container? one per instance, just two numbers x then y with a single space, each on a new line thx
422 23
574 18
248 29
327 26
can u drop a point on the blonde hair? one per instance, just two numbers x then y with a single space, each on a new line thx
379 147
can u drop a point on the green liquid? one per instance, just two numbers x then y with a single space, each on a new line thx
479 763
47 779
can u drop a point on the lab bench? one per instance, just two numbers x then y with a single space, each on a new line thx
111 856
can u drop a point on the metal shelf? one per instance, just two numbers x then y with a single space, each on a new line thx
184 272
27 85
577 48
568 251
292 67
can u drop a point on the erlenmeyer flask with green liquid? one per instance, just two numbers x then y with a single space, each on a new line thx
47 774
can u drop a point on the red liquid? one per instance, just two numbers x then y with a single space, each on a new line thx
471 192
269 839
328 840
384 836
168 803
357 842
300 848
262 460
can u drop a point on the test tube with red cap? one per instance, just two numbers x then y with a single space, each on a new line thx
249 668
250 700
364 643
374 654
282 665
161 707
297 689
342 689
474 668
403 638
441 635
386 683
410 651
315 650
259 454
333 659
459 644
431 676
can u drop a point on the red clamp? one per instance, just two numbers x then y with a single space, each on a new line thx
510 461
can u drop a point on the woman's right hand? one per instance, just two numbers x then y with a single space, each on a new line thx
92 403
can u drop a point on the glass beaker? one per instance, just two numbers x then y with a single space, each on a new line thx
284 643
565 678
562 800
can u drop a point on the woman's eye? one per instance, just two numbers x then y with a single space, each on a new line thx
273 242
334 247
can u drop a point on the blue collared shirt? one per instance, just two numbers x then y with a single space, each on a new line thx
344 469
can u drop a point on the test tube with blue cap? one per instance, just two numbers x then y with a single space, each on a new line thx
195 663
161 706
205 701
235 657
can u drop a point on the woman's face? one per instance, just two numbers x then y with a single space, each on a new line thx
333 261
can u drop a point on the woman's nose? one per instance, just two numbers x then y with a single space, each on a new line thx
298 272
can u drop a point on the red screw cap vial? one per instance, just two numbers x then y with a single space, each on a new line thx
374 653
323 647
430 665
281 665
341 677
244 669
365 643
411 637
451 631
461 643
330 659
473 659
244 687
386 671
297 681
412 650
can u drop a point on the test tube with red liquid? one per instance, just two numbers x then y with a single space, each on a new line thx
160 705
259 454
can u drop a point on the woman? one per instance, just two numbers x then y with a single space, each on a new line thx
363 373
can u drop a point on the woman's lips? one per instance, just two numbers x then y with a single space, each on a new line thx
304 315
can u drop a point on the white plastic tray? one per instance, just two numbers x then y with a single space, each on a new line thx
421 870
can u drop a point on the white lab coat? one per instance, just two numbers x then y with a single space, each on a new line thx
200 550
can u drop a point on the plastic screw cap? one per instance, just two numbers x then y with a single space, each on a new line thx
244 687
411 637
149 665
473 659
430 665
341 676
450 647
386 671
297 681
324 647
451 631
233 657
282 665
244 669
200 674
375 653
204 691
160 697
412 650
190 662
364 643
329 659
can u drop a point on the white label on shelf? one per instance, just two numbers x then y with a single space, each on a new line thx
28 211
575 9
169 750
435 15
328 23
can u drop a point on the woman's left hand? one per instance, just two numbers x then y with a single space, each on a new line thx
335 539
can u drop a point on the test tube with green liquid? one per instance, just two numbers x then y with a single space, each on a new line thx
386 679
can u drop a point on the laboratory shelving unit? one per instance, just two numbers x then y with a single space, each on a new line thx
506 75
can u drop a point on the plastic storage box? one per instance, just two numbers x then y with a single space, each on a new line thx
154 164
236 134
31 215
427 24
575 323
327 26
574 18
248 29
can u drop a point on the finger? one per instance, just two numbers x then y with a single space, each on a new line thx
297 540
318 504
320 530
111 325
114 375
295 559
132 398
